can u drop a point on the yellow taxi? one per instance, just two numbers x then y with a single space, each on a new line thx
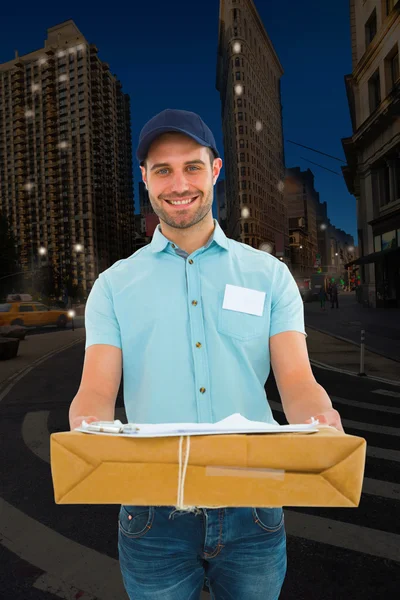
32 314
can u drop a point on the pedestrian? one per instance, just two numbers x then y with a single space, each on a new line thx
334 296
322 297
196 320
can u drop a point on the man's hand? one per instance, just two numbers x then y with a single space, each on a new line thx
77 422
329 417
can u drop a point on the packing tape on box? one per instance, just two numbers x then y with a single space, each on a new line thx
216 471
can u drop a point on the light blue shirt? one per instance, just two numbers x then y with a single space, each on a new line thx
185 357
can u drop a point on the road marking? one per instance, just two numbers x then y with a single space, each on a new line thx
37 438
352 424
388 409
47 583
326 367
383 453
387 393
64 560
70 564
343 535
383 489
13 379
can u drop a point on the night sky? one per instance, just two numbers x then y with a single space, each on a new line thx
165 53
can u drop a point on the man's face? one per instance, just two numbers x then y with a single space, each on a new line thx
179 169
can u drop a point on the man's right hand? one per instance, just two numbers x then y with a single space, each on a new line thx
77 422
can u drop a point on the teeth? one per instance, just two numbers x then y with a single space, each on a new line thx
181 201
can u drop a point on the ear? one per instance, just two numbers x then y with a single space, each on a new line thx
217 166
144 176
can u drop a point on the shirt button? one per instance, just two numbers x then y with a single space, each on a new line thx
190 261
198 345
194 302
173 245
202 390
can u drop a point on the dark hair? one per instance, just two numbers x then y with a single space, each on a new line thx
210 154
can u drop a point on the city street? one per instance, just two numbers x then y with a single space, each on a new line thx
51 551
382 326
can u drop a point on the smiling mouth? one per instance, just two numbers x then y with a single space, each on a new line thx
182 203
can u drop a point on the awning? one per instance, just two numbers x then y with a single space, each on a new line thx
373 257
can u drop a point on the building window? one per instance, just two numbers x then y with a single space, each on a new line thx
240 116
390 4
370 29
237 62
374 90
237 75
392 69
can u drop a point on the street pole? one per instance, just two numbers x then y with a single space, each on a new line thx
362 354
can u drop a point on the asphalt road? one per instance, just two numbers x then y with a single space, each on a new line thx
50 551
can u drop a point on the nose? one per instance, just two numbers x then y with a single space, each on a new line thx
179 184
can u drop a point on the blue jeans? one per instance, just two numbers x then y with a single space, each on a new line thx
167 554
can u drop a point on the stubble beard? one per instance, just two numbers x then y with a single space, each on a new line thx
193 217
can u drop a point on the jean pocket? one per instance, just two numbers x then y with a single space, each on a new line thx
269 519
135 521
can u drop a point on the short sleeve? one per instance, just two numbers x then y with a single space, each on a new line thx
101 324
287 308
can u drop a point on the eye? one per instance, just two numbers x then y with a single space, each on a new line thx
159 171
193 167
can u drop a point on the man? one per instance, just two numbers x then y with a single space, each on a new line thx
195 350
334 295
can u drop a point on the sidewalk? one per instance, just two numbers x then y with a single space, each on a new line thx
331 351
322 348
382 326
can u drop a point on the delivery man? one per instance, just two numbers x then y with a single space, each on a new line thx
196 319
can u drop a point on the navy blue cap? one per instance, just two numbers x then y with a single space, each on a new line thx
188 123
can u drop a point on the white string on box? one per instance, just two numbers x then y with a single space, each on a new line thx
182 474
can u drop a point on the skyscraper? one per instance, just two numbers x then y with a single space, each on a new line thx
248 79
66 157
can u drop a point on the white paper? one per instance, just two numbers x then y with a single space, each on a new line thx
235 423
244 300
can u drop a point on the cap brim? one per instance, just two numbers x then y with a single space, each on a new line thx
146 142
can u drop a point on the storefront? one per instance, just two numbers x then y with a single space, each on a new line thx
387 276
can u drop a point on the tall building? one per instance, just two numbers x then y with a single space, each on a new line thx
66 158
302 201
373 151
248 79
144 200
221 203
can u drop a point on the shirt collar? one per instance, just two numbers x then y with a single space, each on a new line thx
160 242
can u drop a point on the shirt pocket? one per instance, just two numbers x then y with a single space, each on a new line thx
242 326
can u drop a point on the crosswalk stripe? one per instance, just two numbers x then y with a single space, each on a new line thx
352 424
395 410
52 585
383 489
343 535
387 393
63 559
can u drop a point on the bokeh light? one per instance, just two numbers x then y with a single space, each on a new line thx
258 126
266 247
281 186
237 47
238 90
245 213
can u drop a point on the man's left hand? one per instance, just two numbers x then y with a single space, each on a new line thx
330 417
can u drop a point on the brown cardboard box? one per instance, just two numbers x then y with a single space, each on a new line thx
325 468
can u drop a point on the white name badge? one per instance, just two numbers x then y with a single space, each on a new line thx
244 300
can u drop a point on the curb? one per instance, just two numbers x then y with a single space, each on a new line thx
321 365
338 337
7 384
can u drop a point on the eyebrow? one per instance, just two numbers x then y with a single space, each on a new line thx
188 162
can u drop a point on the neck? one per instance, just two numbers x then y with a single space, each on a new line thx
192 238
